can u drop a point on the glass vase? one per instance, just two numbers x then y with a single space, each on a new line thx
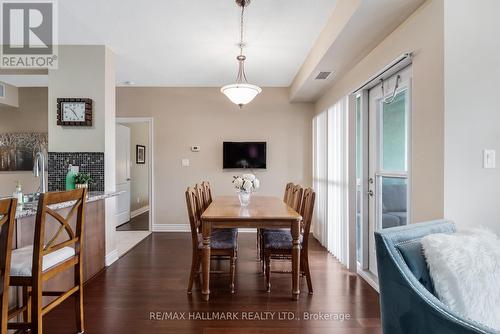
244 198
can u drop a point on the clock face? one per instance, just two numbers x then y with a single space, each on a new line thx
73 112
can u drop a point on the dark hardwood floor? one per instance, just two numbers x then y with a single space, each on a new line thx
138 223
153 278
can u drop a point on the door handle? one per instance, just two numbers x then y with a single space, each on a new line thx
128 179
370 193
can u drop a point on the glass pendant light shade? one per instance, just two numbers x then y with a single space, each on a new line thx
241 93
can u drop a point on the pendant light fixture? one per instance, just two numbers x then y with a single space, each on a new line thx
241 92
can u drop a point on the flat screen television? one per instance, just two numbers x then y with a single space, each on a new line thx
244 155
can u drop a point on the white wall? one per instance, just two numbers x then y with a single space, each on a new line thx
472 111
109 76
203 116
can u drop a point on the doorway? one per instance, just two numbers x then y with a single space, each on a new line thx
134 178
383 160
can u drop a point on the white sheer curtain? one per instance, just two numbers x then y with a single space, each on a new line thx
330 179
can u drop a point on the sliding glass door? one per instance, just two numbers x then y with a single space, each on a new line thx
383 159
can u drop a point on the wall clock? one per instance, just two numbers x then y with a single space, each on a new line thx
74 112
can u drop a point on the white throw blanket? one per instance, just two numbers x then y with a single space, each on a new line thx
465 269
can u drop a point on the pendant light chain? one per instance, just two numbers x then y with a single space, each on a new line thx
241 77
241 92
241 28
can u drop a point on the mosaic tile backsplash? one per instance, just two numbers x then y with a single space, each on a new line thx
92 163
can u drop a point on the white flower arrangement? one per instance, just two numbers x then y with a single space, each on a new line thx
247 183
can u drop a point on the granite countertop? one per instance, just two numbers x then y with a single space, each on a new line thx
29 209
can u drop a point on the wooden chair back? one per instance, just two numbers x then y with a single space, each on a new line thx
207 193
43 244
288 190
200 198
7 218
295 197
194 214
306 211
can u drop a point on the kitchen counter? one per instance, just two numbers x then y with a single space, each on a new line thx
29 209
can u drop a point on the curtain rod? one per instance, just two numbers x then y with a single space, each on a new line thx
399 63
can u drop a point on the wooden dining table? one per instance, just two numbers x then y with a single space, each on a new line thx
262 212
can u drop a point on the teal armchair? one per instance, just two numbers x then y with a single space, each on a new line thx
407 297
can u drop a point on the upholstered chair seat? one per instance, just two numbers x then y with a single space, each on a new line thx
22 259
278 239
222 238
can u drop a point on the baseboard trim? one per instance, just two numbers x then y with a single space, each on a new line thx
369 278
139 211
171 228
187 228
111 258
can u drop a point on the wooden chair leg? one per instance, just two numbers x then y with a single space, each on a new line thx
305 261
267 258
195 265
262 260
232 271
80 326
27 302
36 302
259 250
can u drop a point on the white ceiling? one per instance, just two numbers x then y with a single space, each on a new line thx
367 27
194 43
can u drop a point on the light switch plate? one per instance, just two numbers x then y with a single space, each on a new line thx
185 162
489 159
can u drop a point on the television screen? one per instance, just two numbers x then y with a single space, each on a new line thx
244 155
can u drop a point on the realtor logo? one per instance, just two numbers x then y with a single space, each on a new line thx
28 34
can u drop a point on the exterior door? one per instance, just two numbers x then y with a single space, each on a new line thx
388 157
122 174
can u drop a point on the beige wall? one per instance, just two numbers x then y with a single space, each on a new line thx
11 96
423 34
139 173
88 71
472 50
31 116
80 73
184 117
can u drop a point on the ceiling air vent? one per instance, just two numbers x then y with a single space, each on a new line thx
323 75
2 90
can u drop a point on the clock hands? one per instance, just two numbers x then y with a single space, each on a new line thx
74 113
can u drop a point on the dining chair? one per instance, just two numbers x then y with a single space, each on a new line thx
207 193
293 198
288 189
200 198
50 256
277 244
223 243
7 221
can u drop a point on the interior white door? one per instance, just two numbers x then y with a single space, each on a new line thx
122 174
388 157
